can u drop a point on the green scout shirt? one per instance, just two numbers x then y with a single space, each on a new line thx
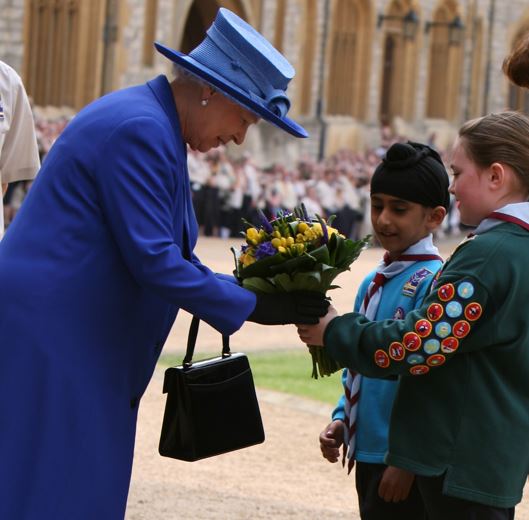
463 402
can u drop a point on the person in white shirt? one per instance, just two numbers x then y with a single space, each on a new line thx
19 153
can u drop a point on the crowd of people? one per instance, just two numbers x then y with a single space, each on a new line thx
228 189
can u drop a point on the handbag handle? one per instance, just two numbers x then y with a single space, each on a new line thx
192 339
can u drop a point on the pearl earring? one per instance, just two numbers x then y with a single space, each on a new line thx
204 102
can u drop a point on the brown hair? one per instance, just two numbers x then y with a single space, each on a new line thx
502 138
516 65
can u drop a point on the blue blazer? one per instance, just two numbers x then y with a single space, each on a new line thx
93 271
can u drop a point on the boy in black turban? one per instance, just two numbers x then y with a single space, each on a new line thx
409 198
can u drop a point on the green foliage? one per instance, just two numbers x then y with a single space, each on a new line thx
284 371
276 258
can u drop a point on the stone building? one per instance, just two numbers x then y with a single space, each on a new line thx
421 66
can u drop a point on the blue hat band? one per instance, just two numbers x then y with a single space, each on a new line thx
220 55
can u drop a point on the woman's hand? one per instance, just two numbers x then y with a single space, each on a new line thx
395 484
313 334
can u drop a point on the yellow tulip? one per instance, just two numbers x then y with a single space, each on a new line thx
302 227
276 242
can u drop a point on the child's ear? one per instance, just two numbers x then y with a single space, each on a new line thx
436 217
496 175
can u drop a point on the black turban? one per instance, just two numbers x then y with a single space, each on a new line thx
414 172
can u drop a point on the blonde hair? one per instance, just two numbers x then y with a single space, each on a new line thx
502 138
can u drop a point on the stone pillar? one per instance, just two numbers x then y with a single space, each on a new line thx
12 33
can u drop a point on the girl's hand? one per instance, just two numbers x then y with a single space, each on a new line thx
313 334
395 484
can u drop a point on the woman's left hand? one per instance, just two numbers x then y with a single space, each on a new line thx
313 334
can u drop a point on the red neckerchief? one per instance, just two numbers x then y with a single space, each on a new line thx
410 258
509 218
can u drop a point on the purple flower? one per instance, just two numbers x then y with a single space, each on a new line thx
324 230
265 249
266 225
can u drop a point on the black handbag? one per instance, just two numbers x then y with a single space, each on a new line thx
211 405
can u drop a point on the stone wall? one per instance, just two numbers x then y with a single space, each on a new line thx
12 33
271 144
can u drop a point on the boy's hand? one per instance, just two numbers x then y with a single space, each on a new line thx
395 484
331 438
313 334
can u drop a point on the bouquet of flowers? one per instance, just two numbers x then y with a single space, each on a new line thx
294 252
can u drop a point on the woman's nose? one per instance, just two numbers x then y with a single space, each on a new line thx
240 136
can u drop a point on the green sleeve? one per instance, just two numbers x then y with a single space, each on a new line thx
425 340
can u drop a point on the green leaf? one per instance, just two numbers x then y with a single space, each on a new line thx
261 268
298 263
310 281
283 282
259 285
321 254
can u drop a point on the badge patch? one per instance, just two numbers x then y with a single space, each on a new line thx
443 329
435 360
381 359
435 311
431 346
446 292
415 359
411 341
454 309
419 370
449 345
461 328
423 328
410 287
465 290
396 351
399 314
473 311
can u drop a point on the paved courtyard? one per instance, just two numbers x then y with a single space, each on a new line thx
283 478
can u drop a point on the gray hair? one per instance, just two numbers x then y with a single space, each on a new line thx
182 75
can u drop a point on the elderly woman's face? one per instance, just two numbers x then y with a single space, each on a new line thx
219 122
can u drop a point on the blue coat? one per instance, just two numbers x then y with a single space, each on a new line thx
92 275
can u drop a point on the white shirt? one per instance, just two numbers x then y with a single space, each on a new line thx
19 153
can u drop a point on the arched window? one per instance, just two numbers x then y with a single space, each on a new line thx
445 64
149 32
349 58
63 62
475 97
280 24
307 58
399 64
200 16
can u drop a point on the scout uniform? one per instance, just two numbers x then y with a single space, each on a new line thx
19 154
462 409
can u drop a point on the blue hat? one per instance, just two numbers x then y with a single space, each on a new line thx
241 63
